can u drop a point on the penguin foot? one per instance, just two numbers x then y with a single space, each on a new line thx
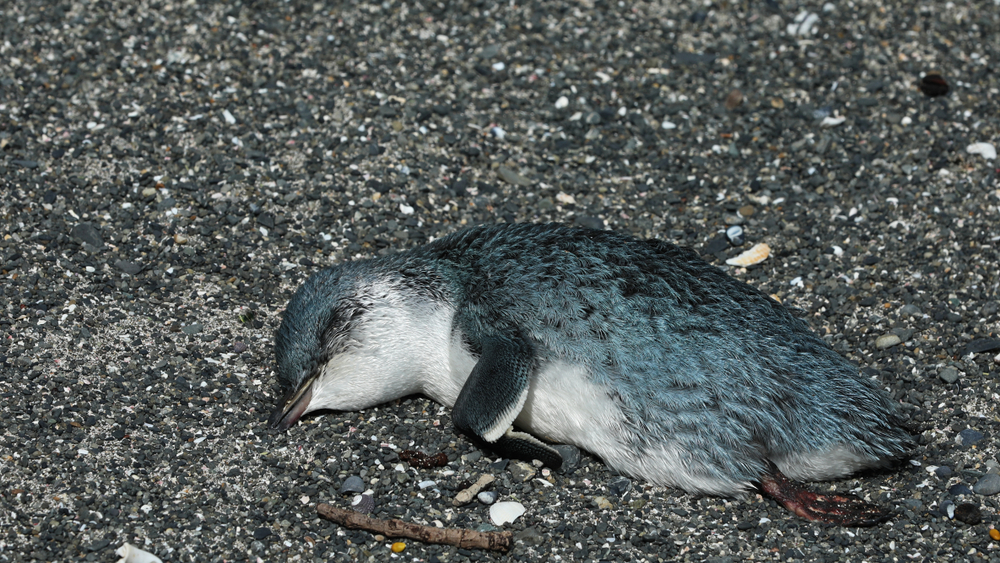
840 510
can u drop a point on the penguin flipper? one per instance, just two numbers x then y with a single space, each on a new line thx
494 394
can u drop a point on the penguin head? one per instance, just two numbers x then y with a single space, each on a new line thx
353 336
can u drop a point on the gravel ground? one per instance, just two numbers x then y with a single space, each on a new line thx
171 171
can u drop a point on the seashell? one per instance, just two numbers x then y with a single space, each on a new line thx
505 512
352 484
364 504
132 554
487 497
735 235
755 255
426 484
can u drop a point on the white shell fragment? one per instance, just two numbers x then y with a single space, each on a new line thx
505 512
755 255
132 554
832 121
988 151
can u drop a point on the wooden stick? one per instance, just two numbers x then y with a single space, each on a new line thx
466 539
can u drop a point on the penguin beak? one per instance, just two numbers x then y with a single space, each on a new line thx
292 406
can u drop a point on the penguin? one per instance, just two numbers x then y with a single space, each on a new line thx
636 351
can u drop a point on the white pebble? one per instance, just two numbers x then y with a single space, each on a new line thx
565 198
498 66
988 151
803 25
505 512
562 102
669 125
833 121
405 209
905 121
426 484
229 117
498 133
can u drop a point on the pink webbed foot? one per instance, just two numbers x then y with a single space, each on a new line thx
834 509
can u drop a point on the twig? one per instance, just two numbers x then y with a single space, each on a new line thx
465 496
466 539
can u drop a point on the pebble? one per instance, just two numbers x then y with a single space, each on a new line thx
948 375
982 345
987 150
500 464
426 484
910 310
592 118
734 99
352 484
804 24
735 235
887 341
88 233
522 471
562 102
668 125
193 328
487 497
505 512
933 85
529 536
947 508
603 503
944 472
747 210
988 485
969 436
570 457
619 486
511 177
969 513
398 547
995 534
959 489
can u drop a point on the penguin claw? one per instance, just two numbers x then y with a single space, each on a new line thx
839 510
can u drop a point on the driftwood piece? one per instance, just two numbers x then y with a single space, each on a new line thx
466 539
465 496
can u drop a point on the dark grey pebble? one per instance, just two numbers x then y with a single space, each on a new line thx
240 347
982 345
910 310
88 233
949 375
944 472
130 268
589 222
261 533
530 536
193 328
570 457
500 464
619 486
970 436
717 244
352 484
987 486
959 489
522 471
511 177
969 513
99 545
592 118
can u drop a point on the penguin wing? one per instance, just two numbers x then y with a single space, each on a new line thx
494 394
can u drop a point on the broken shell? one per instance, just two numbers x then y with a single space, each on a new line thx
505 512
364 504
132 554
755 255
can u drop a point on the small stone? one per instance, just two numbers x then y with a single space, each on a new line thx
949 375
398 547
487 497
777 103
959 489
180 239
944 472
603 503
240 347
887 341
619 486
969 513
947 508
193 328
910 310
987 150
352 484
734 99
529 536
982 345
522 471
261 533
747 210
735 235
988 485
717 244
130 268
511 177
995 534
969 436
593 118
87 233
500 464
562 102
933 85
570 457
